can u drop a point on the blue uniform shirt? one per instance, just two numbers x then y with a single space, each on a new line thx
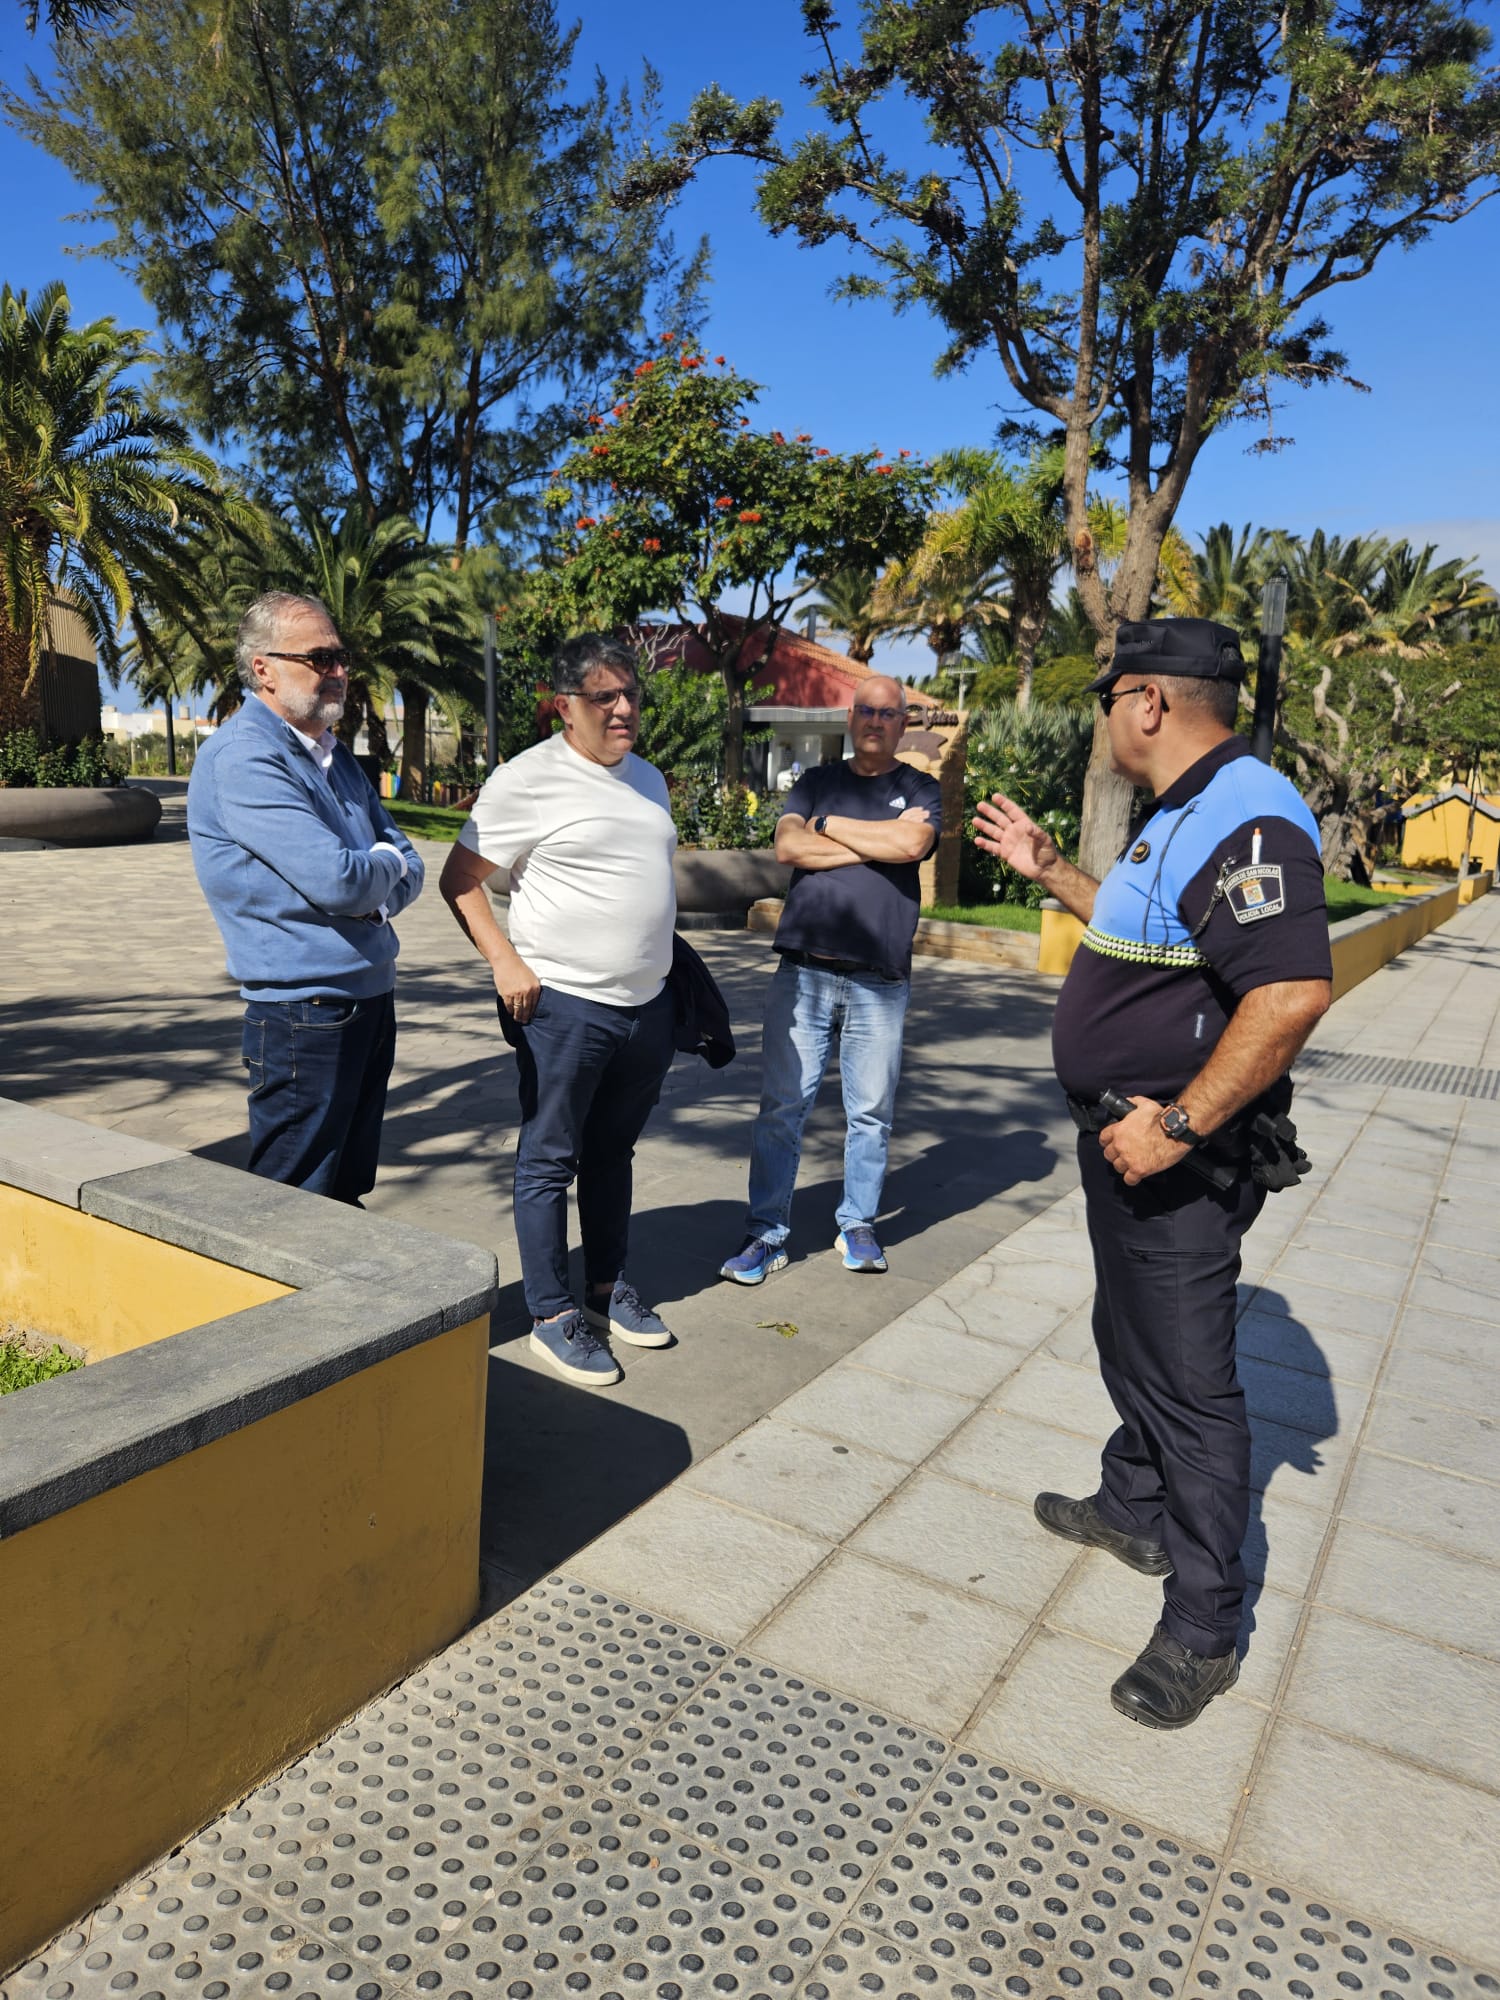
1218 892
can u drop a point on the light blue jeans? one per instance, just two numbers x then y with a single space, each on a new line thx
806 1010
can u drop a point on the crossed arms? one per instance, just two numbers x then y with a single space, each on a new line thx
909 838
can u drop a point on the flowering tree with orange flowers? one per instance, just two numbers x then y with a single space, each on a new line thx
670 500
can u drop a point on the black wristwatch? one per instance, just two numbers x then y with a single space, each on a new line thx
1175 1122
820 824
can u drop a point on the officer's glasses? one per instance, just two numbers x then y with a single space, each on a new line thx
1109 696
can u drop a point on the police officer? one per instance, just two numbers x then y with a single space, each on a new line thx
1204 966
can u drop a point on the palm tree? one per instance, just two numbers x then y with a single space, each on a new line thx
94 484
1222 580
401 607
847 603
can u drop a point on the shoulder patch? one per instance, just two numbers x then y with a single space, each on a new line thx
1141 850
1255 892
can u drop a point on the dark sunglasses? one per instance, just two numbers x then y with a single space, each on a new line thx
322 659
1109 696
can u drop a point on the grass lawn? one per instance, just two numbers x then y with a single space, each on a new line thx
995 916
427 822
1346 899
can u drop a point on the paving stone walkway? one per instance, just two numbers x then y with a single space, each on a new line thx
828 1715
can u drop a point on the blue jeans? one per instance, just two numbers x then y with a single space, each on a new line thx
589 1075
806 1009
318 1072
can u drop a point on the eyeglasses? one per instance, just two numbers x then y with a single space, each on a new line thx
866 714
1109 696
322 659
607 697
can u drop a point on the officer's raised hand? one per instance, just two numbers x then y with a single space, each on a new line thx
1137 1147
1002 829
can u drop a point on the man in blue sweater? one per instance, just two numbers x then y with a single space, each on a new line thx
303 871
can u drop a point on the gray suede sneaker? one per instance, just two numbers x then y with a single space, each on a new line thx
627 1318
573 1349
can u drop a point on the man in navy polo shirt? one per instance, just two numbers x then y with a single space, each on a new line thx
303 870
856 833
1204 966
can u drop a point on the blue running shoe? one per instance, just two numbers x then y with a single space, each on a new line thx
629 1319
574 1350
861 1251
753 1264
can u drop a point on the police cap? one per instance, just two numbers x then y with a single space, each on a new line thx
1193 648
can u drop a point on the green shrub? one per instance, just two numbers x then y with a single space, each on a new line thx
21 1366
709 814
1037 756
25 762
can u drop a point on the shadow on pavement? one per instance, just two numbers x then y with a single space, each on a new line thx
561 1466
1275 1444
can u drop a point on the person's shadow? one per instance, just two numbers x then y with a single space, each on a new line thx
1294 1407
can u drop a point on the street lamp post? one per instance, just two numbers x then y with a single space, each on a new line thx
1268 668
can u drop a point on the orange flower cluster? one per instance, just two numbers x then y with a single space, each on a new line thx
692 360
777 438
803 437
586 521
644 369
821 452
884 468
621 408
651 545
749 515
718 361
723 501
598 451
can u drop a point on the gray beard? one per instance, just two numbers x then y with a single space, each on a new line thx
314 713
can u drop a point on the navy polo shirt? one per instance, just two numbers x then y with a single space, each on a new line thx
867 912
1218 892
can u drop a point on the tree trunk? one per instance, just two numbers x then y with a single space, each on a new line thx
734 727
20 705
1030 624
376 735
1463 863
413 741
171 739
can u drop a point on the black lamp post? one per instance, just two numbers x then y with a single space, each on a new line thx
1268 669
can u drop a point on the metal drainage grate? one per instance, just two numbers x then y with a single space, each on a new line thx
1399 1072
579 1801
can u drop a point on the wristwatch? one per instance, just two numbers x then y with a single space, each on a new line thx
1175 1122
820 824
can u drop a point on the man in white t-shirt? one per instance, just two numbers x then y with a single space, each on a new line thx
581 828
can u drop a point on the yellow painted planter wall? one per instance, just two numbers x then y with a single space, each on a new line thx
106 1289
172 1641
1360 949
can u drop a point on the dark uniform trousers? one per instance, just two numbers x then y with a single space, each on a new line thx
1166 1263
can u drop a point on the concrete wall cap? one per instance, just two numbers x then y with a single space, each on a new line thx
57 1157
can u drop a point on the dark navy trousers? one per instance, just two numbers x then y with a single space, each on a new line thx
589 1075
318 1073
1166 1263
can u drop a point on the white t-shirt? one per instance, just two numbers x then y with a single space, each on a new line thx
588 849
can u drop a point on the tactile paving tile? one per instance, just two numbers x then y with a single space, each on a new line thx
774 1772
1270 1943
1024 1891
603 1903
183 1930
567 1673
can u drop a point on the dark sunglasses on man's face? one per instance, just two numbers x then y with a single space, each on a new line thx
867 714
1109 696
322 659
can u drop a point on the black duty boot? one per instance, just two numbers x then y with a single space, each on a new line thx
1080 1521
1169 1687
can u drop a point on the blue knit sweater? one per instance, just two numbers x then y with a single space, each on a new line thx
283 856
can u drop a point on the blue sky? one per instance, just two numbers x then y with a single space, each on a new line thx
1417 456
